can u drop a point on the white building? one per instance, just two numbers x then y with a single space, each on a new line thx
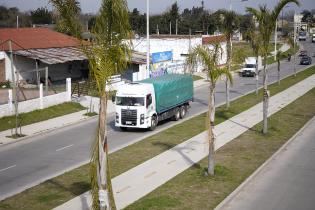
174 50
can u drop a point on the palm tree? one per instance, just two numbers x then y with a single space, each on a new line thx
209 60
266 24
292 44
230 23
107 55
255 40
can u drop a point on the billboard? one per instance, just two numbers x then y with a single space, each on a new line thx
162 56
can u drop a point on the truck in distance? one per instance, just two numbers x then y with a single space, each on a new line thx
145 103
302 36
249 68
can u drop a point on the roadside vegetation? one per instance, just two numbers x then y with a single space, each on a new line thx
60 189
35 116
236 161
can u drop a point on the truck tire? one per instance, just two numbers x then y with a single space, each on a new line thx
153 123
183 111
177 114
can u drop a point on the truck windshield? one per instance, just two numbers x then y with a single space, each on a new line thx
129 101
250 66
302 33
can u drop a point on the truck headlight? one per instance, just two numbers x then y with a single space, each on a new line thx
141 118
117 117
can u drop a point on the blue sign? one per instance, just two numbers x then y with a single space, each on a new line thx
162 56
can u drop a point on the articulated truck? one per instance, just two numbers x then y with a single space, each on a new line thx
145 103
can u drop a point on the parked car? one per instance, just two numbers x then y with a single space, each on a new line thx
305 60
313 38
303 53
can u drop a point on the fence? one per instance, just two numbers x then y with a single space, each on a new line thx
37 103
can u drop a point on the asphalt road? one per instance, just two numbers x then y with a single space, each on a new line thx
284 183
34 160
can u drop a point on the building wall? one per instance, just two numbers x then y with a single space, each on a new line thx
178 46
56 72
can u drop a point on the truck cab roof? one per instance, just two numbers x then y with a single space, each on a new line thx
136 89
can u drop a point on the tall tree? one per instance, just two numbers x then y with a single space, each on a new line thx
68 17
209 58
41 16
107 55
229 24
255 41
266 24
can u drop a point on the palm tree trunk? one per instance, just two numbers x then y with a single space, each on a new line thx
227 85
265 99
104 180
211 109
257 79
278 71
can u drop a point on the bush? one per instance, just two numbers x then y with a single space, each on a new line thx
5 84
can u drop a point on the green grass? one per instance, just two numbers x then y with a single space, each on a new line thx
8 122
196 77
76 182
234 163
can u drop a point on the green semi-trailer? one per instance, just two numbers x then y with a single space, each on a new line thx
147 102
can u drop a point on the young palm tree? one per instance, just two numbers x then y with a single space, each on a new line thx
209 60
255 40
230 23
266 24
292 44
107 55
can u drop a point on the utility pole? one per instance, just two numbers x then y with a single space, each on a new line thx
148 42
14 89
176 26
17 21
294 40
276 28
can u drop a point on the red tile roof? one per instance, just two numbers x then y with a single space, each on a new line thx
34 38
213 39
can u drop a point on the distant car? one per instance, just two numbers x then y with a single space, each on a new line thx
302 36
306 60
313 38
303 53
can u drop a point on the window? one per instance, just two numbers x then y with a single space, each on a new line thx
129 101
149 100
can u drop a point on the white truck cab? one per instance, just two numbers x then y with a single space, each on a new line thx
249 68
135 106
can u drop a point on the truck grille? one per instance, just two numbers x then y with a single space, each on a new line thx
128 117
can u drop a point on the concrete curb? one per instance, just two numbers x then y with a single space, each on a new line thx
228 199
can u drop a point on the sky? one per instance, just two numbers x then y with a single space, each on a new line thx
158 6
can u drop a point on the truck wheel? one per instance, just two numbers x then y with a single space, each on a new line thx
153 123
182 111
177 114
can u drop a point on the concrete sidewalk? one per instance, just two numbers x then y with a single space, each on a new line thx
59 122
144 178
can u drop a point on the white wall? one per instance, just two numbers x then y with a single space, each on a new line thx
37 103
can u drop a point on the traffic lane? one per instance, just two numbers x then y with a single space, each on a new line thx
284 183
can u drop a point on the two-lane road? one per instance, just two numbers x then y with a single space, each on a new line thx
34 160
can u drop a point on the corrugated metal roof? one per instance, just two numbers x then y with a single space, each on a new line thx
66 54
53 55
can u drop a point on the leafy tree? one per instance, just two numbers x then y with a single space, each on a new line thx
68 18
41 16
229 24
209 58
266 24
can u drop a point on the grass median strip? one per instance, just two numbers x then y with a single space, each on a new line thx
40 115
58 190
235 162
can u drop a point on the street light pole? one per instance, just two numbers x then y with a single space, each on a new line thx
148 42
